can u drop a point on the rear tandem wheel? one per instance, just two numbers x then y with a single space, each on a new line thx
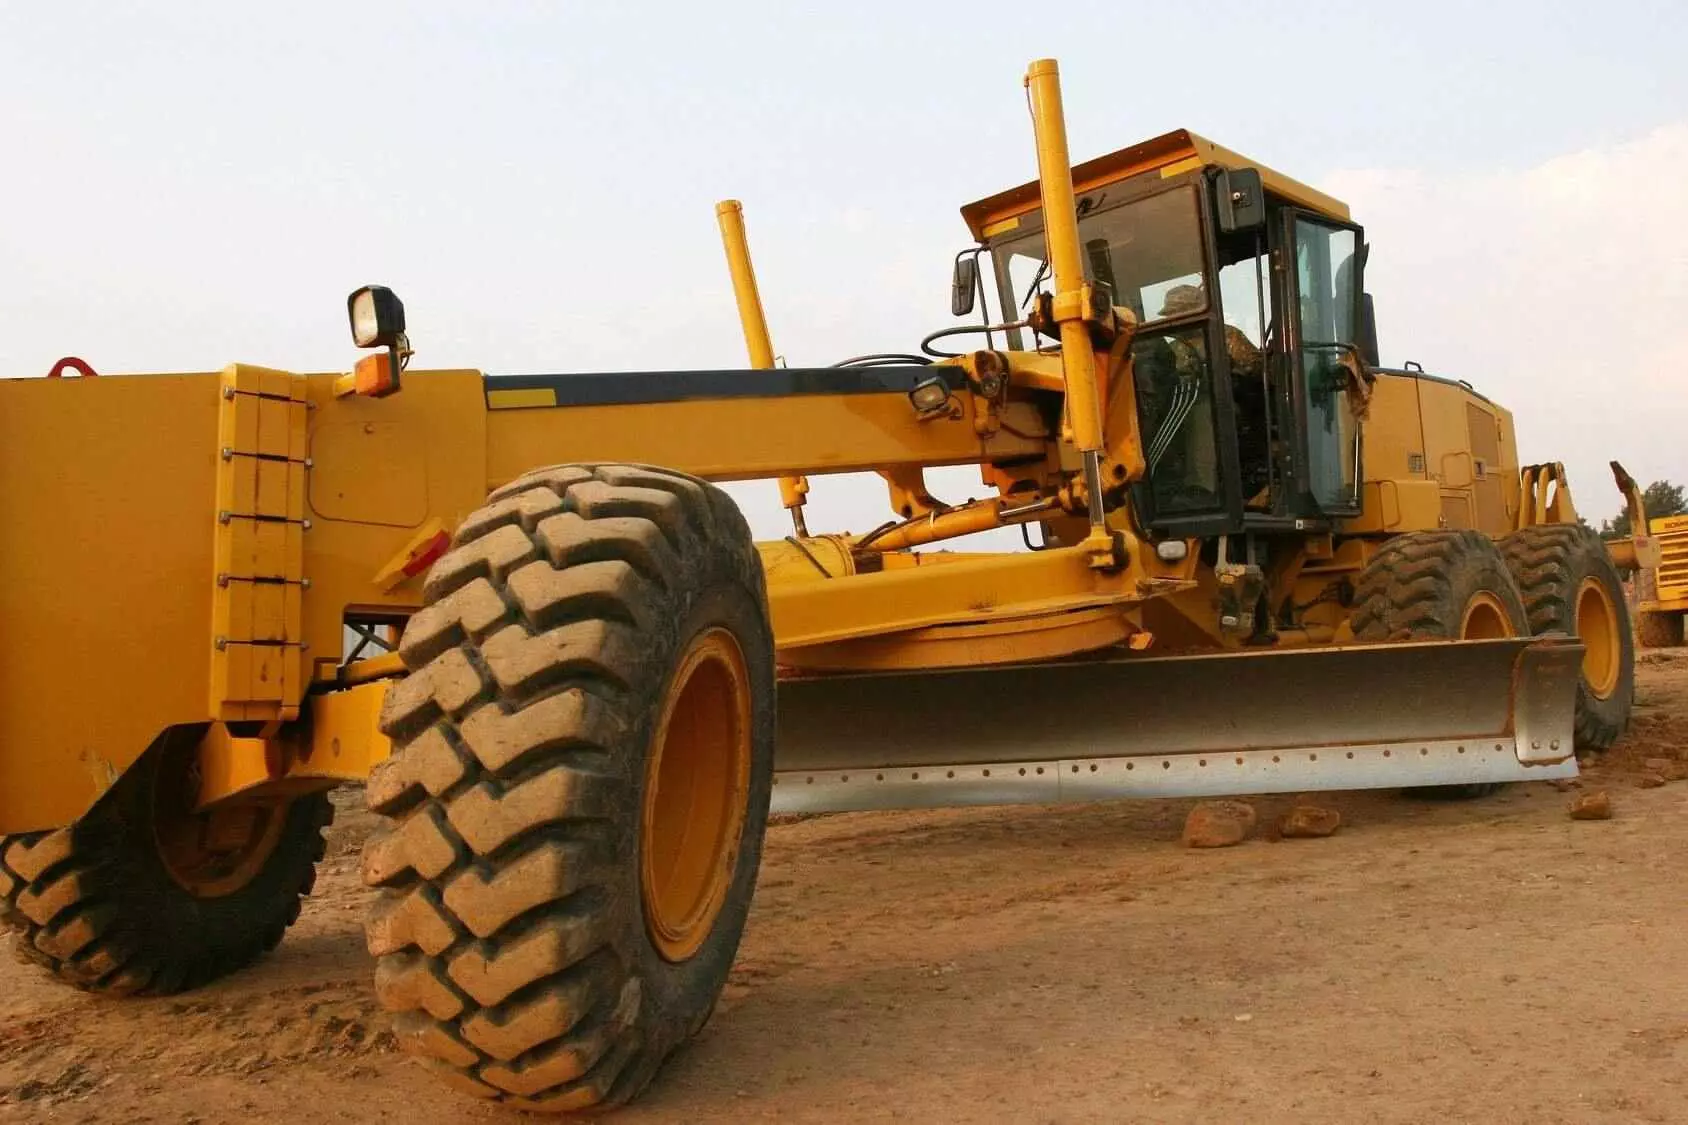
1439 585
143 895
582 760
1570 585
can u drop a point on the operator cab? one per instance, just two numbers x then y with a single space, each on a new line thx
1251 352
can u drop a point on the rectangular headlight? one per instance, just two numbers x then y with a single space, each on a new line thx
929 395
377 317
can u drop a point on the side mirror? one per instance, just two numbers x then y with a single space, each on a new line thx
964 283
1239 199
1368 332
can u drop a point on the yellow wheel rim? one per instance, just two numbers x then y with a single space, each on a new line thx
1485 619
219 851
697 789
1597 628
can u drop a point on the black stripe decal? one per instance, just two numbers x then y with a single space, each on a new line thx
628 388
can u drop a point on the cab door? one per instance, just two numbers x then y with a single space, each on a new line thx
1192 485
1323 332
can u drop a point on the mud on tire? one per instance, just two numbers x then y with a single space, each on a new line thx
1424 585
512 935
96 904
1566 578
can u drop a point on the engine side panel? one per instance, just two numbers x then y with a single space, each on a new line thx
1437 454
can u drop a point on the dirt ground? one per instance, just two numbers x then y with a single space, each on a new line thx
1487 961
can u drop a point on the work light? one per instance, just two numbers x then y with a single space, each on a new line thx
929 396
377 317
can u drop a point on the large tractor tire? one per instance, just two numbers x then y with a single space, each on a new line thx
1658 630
1438 585
142 895
582 760
1571 586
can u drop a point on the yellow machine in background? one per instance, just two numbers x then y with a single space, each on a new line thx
1664 587
1259 563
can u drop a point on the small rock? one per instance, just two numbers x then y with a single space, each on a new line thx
1566 784
1308 822
29 1090
1649 780
1218 824
1592 806
1671 769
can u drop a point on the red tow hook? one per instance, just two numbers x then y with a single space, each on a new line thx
80 366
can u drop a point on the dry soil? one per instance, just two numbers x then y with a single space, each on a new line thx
1488 961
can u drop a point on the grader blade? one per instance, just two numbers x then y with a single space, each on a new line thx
1354 717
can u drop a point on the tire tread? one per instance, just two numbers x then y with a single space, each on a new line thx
1549 562
500 964
1406 593
69 896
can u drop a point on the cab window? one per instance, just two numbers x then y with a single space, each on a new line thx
1148 251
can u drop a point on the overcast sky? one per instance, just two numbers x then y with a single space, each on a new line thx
186 185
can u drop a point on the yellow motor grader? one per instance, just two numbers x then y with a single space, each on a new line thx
1257 562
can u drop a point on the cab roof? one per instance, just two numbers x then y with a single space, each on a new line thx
1170 154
